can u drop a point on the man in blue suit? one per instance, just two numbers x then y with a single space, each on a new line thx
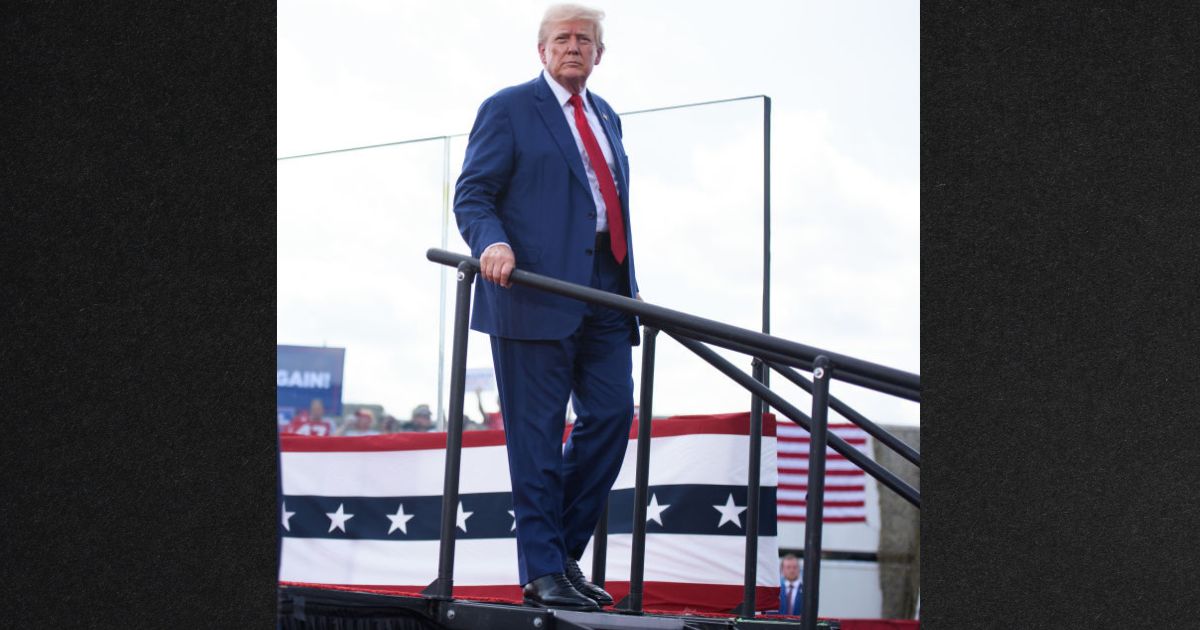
545 186
791 599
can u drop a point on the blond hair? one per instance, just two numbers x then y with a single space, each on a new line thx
566 12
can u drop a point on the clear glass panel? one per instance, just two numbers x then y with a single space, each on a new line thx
697 207
353 228
479 352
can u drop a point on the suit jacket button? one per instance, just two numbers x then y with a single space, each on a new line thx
588 251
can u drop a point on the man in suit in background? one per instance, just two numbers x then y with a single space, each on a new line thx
545 187
791 599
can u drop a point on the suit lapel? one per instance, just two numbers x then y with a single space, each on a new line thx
552 115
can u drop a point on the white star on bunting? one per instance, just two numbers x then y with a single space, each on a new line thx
730 513
287 516
337 520
399 520
514 525
654 510
463 516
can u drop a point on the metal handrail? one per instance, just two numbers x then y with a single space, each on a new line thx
874 430
847 366
690 330
869 466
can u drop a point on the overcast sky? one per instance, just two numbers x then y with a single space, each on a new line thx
843 79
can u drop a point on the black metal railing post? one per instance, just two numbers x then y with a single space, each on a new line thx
637 561
766 305
600 548
753 483
815 500
443 586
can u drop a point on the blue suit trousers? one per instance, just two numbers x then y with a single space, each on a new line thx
559 492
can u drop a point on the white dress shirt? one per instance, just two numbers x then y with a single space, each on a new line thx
563 95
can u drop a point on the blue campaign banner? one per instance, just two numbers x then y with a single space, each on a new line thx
304 373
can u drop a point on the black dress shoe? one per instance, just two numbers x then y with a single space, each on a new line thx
555 591
589 590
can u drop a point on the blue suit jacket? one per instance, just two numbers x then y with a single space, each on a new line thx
798 605
523 182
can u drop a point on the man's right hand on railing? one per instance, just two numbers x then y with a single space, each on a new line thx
497 263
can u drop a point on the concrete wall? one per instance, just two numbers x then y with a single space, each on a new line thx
900 531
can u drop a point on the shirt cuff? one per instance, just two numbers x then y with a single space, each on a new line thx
485 249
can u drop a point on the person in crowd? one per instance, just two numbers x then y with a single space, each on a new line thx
791 599
316 409
363 423
390 424
311 421
421 421
545 188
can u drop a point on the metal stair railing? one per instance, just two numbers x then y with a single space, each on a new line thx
693 333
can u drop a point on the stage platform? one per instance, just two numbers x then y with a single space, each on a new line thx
337 609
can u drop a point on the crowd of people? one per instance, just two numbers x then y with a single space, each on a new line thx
363 421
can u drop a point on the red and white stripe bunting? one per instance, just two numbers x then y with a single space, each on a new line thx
845 483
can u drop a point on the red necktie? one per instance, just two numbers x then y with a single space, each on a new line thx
608 190
787 605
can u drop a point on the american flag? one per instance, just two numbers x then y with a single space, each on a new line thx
845 483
